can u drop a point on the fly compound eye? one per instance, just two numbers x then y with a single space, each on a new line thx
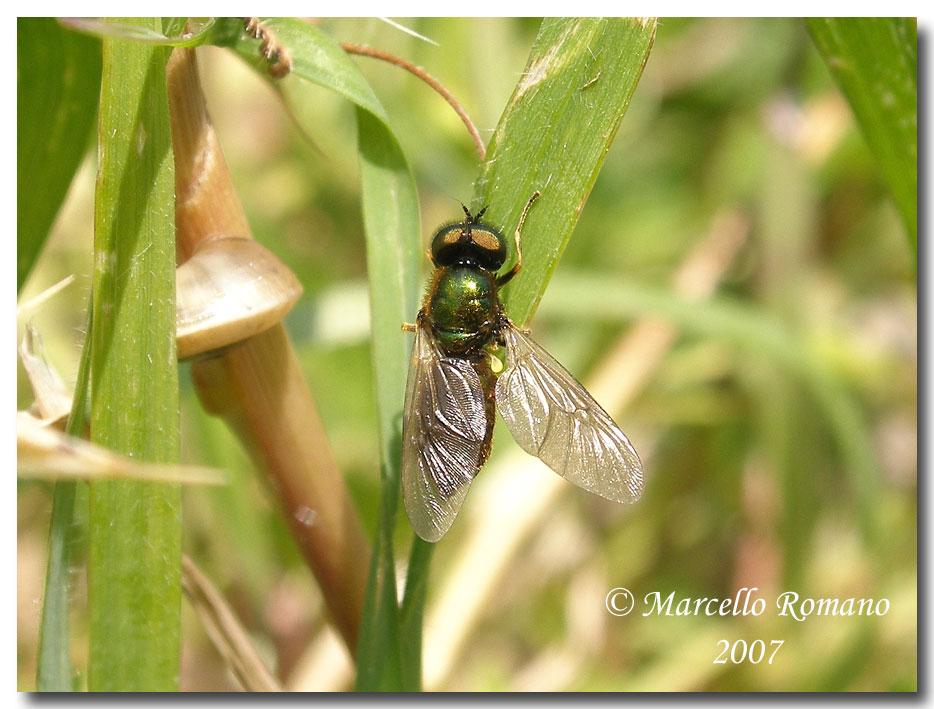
447 244
489 247
487 240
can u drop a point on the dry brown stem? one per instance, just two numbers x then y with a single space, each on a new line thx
226 633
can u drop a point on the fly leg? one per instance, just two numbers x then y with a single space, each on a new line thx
411 327
506 277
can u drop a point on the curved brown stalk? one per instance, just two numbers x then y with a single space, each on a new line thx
428 79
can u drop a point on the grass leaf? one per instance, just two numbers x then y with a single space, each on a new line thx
54 673
57 92
554 135
316 57
171 33
134 559
390 214
875 62
413 611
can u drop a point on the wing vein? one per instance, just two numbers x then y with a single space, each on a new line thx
443 429
574 436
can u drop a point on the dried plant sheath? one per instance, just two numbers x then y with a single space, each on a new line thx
257 386
258 389
231 289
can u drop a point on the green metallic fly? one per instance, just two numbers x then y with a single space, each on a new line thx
452 393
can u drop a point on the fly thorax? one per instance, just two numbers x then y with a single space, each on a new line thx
462 306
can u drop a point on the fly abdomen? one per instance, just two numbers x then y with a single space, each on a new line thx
482 367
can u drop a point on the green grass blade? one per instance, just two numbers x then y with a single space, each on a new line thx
54 673
554 135
413 611
316 57
172 33
875 62
57 91
134 559
390 215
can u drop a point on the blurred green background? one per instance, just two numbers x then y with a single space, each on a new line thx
778 433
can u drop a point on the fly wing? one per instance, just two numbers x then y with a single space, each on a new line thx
554 418
443 430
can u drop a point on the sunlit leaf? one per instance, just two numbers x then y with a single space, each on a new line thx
57 91
553 137
875 61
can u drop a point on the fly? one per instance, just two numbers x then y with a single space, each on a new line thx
452 393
